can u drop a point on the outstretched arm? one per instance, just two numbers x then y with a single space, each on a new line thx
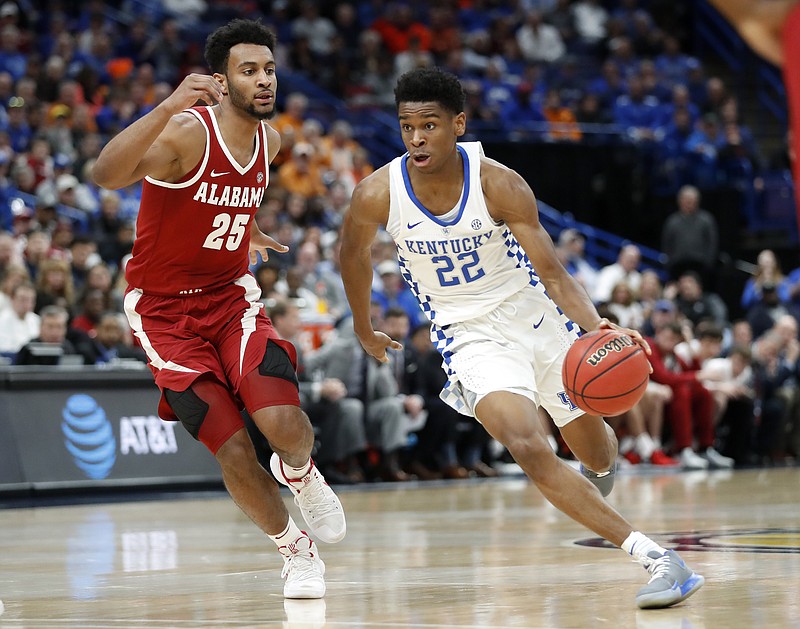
369 209
155 144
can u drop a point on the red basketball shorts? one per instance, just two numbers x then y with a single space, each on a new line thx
222 333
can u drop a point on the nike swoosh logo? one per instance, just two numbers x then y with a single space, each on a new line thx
216 174
410 226
536 325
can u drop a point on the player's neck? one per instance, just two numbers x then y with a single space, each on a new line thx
449 175
236 126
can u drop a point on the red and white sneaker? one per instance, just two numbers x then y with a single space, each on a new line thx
632 457
320 507
659 458
302 569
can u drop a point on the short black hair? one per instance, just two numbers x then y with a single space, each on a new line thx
431 85
220 42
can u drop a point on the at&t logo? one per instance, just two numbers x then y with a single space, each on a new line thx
89 438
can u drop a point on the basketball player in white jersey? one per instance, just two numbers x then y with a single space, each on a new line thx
503 309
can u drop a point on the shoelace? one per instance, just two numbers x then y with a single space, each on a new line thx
659 567
300 565
312 498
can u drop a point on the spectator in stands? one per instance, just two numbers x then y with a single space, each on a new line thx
52 343
11 276
107 345
672 64
778 395
317 29
562 123
93 304
573 244
342 357
691 409
625 307
54 285
636 112
625 269
9 252
522 112
445 33
397 27
690 237
539 41
267 275
19 324
673 159
732 382
337 417
767 271
650 292
82 255
703 149
609 86
697 304
590 21
300 174
394 292
769 310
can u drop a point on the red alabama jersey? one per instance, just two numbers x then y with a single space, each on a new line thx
193 235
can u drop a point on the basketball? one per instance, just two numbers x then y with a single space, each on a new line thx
605 373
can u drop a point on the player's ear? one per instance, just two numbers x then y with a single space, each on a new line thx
223 81
460 123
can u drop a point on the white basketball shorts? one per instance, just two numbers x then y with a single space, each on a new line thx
518 347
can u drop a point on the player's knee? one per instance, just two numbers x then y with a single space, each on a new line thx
533 449
237 448
286 427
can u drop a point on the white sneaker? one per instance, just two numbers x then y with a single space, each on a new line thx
690 460
717 461
320 507
302 569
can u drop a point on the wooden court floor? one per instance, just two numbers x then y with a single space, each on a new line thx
461 554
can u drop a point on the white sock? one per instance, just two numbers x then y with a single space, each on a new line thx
288 535
626 444
294 473
645 446
638 546
656 442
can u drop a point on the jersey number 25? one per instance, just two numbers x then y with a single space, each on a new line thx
228 231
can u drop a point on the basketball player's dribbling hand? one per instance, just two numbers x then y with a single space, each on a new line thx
605 324
376 344
195 87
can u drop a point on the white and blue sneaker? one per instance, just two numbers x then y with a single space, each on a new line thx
672 581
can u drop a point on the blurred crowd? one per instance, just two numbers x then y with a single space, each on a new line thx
72 74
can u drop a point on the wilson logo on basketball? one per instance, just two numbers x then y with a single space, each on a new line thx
614 345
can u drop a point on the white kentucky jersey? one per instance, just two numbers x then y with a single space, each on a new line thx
460 265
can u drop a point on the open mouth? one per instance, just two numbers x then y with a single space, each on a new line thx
264 97
420 159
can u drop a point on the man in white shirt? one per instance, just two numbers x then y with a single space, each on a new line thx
19 324
623 270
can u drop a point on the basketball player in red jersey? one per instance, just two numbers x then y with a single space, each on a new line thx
193 304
